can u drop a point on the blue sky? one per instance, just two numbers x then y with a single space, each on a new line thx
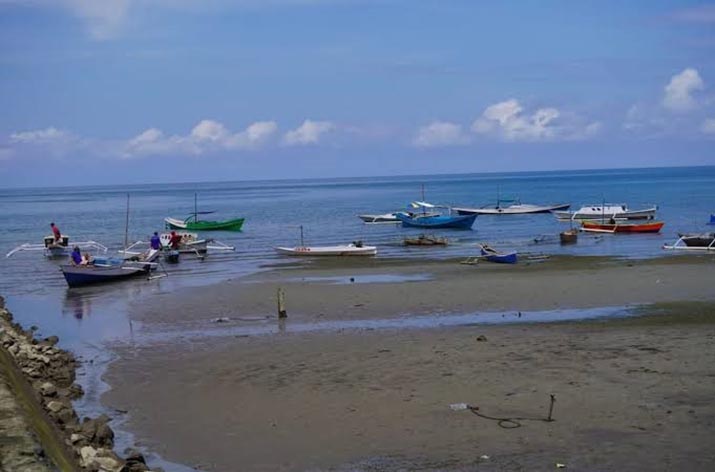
131 91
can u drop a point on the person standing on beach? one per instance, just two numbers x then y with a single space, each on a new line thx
56 232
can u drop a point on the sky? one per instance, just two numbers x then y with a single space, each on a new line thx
140 91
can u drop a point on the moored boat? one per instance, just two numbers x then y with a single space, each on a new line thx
437 221
514 209
337 250
190 242
60 248
103 270
492 255
621 227
194 224
694 241
618 211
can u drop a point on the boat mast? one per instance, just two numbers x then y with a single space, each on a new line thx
196 211
302 243
126 227
424 209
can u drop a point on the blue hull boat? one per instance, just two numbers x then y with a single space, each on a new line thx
712 220
437 221
102 271
492 256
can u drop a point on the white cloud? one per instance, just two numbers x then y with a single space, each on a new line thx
310 132
507 121
208 136
205 137
440 133
104 18
708 126
679 91
40 136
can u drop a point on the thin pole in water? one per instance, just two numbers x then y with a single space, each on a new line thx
126 227
302 244
196 209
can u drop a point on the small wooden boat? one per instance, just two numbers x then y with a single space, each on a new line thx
569 236
426 240
202 225
616 227
438 221
383 218
514 209
492 255
694 242
103 270
618 211
193 223
190 242
58 249
337 250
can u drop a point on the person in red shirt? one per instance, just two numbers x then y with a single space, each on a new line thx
56 232
175 240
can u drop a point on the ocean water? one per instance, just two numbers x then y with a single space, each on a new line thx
327 209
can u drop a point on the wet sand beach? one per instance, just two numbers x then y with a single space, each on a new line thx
631 393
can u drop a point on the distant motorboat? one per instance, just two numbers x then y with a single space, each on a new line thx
618 211
514 209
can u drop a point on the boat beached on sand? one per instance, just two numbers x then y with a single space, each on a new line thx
356 248
604 211
104 269
492 255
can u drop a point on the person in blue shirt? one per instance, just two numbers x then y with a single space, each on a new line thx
155 241
76 256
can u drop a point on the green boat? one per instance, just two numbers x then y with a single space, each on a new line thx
194 224
191 223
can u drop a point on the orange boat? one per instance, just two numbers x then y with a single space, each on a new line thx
608 227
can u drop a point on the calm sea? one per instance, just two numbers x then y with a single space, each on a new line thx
327 209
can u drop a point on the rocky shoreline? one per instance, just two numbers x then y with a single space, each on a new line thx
41 378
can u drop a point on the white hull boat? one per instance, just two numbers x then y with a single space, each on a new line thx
516 209
607 211
338 250
62 248
384 218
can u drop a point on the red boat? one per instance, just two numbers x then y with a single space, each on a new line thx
608 227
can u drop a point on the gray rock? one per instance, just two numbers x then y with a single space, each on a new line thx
48 389
55 406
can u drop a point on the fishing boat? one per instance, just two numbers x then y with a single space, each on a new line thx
61 248
383 218
193 223
492 255
694 241
425 240
356 248
570 236
620 227
438 221
712 220
617 211
517 208
190 242
102 270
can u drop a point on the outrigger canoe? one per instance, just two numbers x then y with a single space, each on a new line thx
601 227
192 224
339 250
